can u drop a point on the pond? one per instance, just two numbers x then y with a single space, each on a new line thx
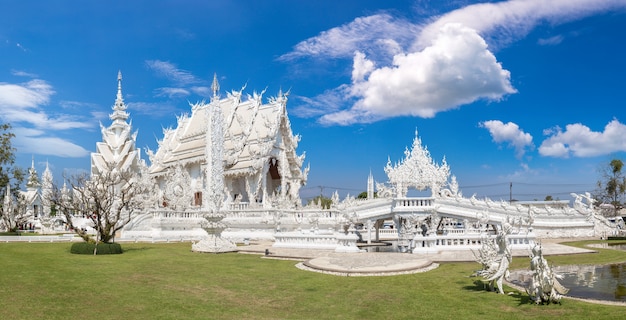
599 282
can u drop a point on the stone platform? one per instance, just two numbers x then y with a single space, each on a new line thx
383 263
368 264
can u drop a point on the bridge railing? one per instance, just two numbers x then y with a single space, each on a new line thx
413 203
176 214
474 241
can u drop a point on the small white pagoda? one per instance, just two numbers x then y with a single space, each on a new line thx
117 150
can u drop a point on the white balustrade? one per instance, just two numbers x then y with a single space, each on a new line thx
238 206
414 203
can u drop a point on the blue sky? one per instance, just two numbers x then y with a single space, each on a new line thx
523 92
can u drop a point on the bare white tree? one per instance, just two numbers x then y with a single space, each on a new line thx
109 200
14 211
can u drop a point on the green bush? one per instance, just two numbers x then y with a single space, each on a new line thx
103 248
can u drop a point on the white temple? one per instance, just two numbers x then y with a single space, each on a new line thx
240 150
228 153
236 157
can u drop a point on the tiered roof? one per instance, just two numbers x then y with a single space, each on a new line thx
253 133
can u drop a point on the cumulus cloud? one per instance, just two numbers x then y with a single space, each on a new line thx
456 69
171 72
579 140
509 133
404 68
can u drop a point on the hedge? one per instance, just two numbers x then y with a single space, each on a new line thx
103 248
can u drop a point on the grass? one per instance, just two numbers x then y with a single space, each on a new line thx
168 281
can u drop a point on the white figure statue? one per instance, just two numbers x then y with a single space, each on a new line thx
544 286
495 259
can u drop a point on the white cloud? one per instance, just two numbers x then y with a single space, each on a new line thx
21 73
172 92
330 101
171 72
509 133
202 91
456 69
370 34
26 95
153 109
21 105
578 140
362 67
506 21
420 69
36 141
551 41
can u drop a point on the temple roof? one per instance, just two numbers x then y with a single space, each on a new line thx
253 133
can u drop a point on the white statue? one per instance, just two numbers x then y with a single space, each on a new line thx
495 258
544 286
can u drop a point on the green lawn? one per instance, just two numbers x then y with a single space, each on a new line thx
168 281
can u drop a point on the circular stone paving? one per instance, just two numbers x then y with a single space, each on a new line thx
368 264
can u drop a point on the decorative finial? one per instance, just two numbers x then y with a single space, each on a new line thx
119 114
119 85
215 86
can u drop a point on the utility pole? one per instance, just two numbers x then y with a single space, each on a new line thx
510 192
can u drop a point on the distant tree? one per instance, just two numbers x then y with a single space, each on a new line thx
14 212
9 173
612 185
363 195
323 201
108 200
548 198
12 177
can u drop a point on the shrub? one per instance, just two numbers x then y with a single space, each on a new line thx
103 248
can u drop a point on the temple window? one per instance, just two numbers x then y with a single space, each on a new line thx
197 198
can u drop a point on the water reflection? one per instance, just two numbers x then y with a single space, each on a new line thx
600 282
385 246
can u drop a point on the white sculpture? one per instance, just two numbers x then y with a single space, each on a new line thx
544 285
495 258
213 242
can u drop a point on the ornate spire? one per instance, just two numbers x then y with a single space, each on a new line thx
119 85
33 179
119 114
370 186
215 86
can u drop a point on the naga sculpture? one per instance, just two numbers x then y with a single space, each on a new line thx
495 259
544 285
